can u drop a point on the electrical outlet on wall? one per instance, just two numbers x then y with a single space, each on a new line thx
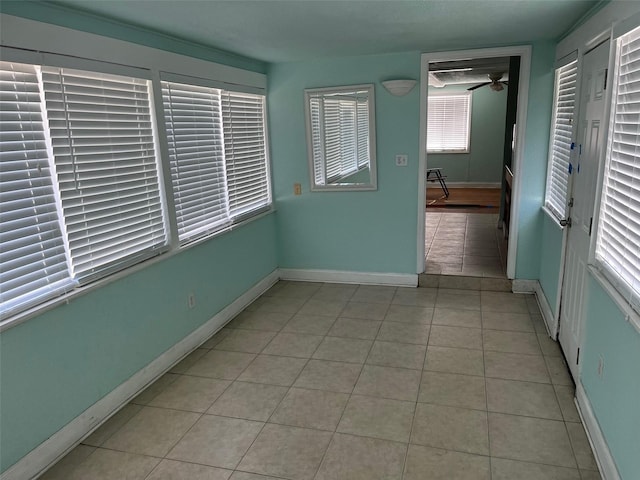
402 160
191 300
297 189
600 366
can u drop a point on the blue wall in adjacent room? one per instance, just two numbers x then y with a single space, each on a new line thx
483 163
372 231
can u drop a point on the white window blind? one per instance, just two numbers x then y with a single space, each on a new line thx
245 150
339 136
449 123
32 252
193 121
558 173
618 240
107 174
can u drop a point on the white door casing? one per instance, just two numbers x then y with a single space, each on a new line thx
585 166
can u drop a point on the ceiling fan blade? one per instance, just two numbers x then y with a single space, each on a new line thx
478 86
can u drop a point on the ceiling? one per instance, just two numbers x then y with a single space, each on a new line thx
295 30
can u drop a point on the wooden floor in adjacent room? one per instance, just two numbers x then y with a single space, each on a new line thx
464 200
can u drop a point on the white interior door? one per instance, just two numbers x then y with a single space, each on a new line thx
591 134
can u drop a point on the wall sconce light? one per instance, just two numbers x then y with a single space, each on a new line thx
399 88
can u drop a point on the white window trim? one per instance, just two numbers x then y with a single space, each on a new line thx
466 150
29 41
600 274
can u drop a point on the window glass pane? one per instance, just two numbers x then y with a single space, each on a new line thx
193 121
560 148
107 174
618 241
32 250
245 152
449 122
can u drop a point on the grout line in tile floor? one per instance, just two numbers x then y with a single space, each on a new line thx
368 433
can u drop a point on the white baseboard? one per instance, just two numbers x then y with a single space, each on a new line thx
523 286
60 443
603 456
336 276
534 287
473 184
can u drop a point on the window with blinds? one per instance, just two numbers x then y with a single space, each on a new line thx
560 145
339 135
106 167
449 122
618 240
33 259
245 150
193 122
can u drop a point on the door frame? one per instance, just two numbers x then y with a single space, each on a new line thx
524 52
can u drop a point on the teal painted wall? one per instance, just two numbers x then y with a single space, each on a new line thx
550 258
371 231
614 397
483 163
56 365
87 22
534 166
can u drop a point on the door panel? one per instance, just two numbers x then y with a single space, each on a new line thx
585 174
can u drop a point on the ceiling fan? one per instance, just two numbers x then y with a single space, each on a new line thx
495 84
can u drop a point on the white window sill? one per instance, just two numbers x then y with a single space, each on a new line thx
552 217
79 291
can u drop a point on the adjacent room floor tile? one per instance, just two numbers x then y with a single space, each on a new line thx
415 297
343 349
365 311
359 458
502 469
460 301
311 408
513 366
454 360
504 302
378 418
522 398
454 390
457 318
310 324
458 337
152 431
222 365
392 354
293 345
404 333
388 382
273 370
216 441
530 440
427 462
289 452
172 469
326 375
409 314
511 342
111 465
194 394
253 401
451 428
519 322
249 341
355 328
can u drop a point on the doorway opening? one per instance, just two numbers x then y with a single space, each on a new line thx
473 106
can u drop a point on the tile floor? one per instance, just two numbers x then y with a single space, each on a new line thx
464 244
319 381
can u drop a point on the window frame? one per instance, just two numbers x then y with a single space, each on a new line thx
456 93
626 297
570 62
151 62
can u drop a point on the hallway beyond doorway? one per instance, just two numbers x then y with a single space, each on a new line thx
464 244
